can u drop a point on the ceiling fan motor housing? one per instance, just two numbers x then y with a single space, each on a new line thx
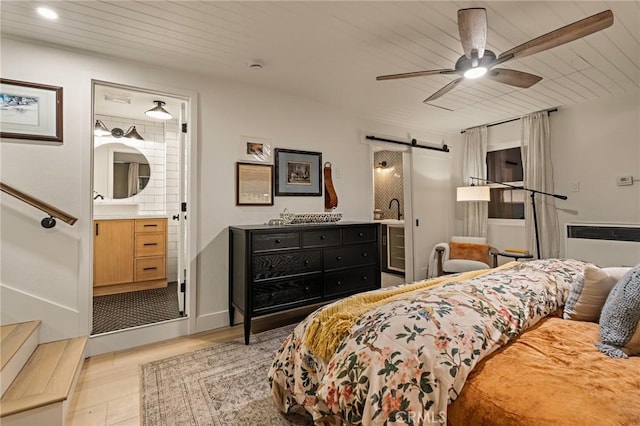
463 63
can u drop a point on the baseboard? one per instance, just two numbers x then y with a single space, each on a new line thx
211 321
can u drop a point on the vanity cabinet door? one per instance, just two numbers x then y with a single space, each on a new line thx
112 252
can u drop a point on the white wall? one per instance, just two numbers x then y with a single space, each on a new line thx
55 265
590 145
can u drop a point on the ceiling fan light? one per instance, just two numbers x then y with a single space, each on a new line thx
475 72
158 112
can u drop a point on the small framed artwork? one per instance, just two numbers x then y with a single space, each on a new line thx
255 149
298 172
30 111
254 184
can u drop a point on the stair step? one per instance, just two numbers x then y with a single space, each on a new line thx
47 378
17 343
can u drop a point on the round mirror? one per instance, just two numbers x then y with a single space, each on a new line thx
119 171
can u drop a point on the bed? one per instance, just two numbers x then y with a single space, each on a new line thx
403 355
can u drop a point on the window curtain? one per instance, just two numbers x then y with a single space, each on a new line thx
474 164
134 172
538 175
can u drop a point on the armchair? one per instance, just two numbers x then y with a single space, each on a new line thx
463 254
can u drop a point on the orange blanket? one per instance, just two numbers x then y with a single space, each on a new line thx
552 374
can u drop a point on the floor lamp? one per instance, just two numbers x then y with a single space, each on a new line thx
468 194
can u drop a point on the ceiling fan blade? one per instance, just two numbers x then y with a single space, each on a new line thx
472 26
558 37
444 90
415 74
513 77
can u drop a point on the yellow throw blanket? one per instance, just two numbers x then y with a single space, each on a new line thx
332 324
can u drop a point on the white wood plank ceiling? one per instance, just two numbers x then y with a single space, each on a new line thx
332 51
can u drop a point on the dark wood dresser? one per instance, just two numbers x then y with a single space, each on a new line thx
275 268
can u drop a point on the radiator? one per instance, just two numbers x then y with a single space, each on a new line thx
604 244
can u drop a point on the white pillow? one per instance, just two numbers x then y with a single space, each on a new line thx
597 285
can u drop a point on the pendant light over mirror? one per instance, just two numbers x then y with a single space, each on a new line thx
99 129
132 133
158 112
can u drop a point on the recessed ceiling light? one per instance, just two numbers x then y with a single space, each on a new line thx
45 12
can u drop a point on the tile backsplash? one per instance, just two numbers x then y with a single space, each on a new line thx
388 183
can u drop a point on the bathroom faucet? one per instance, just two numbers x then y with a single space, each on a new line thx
398 202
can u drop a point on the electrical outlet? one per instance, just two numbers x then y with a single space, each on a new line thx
624 180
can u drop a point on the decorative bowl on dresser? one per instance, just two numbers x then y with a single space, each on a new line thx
275 268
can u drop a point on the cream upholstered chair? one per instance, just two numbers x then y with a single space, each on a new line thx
463 254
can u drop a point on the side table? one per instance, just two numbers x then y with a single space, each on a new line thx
516 256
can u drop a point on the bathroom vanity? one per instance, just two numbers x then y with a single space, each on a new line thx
129 254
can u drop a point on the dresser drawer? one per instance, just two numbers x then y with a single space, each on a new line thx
359 234
150 225
149 268
298 291
344 257
278 265
275 241
321 238
349 281
150 244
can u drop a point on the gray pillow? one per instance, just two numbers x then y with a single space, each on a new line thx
620 318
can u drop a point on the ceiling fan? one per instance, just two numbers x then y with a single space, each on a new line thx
478 61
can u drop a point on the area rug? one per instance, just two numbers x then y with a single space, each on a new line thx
223 385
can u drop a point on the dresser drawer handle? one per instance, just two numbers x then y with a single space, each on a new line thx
365 254
339 284
364 278
151 269
360 234
272 295
278 241
153 225
306 288
306 262
150 244
338 258
323 237
272 266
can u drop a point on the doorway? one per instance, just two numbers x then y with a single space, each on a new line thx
139 193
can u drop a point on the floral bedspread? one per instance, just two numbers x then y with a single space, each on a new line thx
404 362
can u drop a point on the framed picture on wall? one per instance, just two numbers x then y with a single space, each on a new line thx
30 111
255 149
254 184
298 172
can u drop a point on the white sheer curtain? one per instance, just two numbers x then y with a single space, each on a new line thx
474 164
134 172
538 175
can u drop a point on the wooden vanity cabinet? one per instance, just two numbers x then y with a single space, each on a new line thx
112 252
129 255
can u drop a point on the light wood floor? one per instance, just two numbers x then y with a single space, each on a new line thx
108 389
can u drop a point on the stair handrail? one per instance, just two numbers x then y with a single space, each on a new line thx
53 212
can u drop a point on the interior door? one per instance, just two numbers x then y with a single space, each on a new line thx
182 214
432 208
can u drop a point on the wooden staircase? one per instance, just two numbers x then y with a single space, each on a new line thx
37 380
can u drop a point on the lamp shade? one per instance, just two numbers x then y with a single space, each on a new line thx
132 133
472 193
99 129
158 112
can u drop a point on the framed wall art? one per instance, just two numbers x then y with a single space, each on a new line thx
298 172
255 149
254 184
30 111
